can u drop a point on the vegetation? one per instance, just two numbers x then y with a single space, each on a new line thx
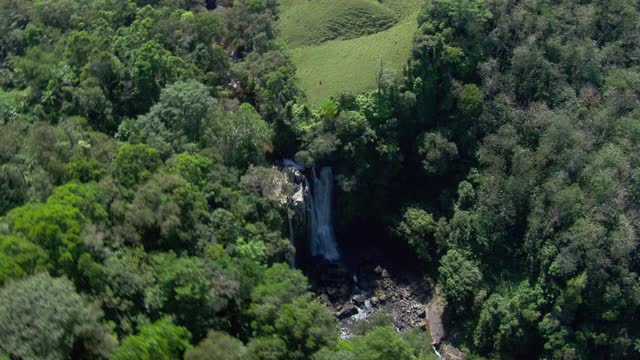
140 216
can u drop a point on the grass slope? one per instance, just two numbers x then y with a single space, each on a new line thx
338 45
308 22
340 66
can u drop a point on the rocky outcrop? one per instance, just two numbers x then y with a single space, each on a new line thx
434 313
450 352
410 300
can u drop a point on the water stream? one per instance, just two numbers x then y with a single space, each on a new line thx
318 202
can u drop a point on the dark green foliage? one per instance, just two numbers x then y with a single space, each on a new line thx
193 168
135 164
192 289
218 345
284 314
161 340
437 153
281 285
240 137
164 213
19 257
380 344
267 348
548 201
417 228
44 318
120 282
460 279
306 326
175 121
13 187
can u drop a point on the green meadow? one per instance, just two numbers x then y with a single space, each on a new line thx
339 46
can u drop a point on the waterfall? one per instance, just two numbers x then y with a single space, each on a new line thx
316 199
437 353
292 263
321 235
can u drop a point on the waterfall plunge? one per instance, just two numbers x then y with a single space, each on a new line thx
321 235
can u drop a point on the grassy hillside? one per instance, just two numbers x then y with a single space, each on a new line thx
308 22
340 66
338 45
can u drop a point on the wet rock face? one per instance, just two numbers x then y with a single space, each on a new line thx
296 179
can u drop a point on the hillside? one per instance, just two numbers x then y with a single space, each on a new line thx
338 46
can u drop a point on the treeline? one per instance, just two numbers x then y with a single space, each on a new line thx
139 215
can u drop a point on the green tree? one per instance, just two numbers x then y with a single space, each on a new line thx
193 168
460 279
280 285
13 187
437 153
194 290
242 137
470 102
91 199
174 121
19 258
120 282
44 318
164 213
508 324
153 68
135 164
306 326
79 46
56 228
417 228
218 345
267 348
382 343
183 106
85 169
161 340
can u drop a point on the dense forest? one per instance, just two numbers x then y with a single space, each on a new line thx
144 215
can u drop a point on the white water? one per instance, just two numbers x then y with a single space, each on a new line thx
321 235
437 353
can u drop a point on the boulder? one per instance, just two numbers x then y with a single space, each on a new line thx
449 352
378 270
347 310
324 299
358 299
422 314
